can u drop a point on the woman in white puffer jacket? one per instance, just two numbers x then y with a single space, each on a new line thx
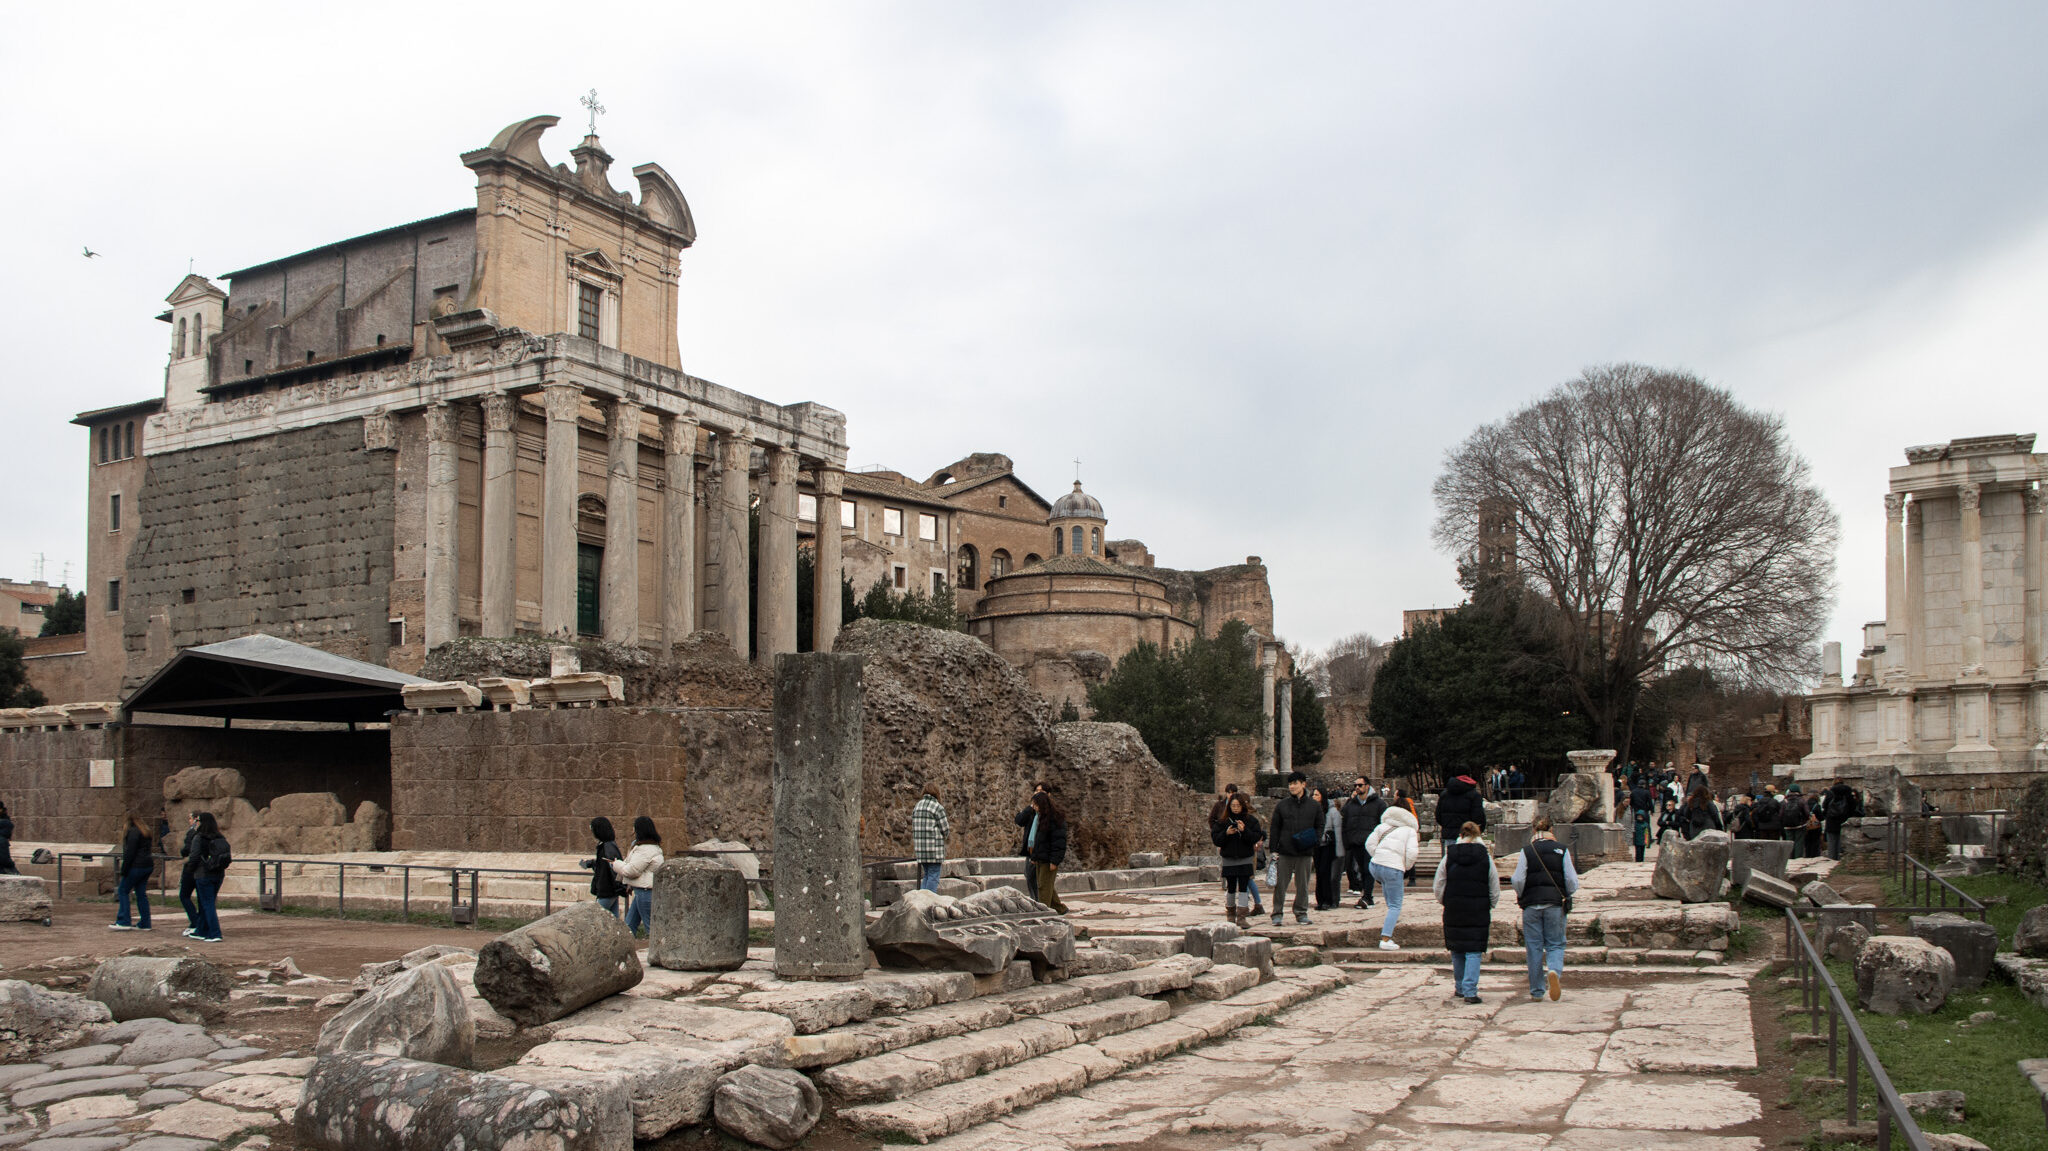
1393 846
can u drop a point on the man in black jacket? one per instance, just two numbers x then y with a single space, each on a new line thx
1297 828
1361 815
1842 804
1642 806
1459 802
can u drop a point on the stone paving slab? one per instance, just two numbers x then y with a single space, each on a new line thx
1393 1062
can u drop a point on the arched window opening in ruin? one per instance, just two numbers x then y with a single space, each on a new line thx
998 563
969 576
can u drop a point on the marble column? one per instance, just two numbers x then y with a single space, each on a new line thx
817 792
1916 587
497 561
1267 660
441 515
1894 585
558 513
776 579
679 532
1285 721
825 605
735 456
2035 542
1971 537
620 608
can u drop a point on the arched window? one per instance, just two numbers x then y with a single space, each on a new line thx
1095 541
998 563
103 445
969 578
130 453
178 349
1077 539
1059 542
1031 558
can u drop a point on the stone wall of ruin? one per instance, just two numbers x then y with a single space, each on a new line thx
289 533
44 781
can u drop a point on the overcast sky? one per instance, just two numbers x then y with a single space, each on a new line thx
1256 266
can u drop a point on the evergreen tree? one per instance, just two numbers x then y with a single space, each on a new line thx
14 686
67 615
1181 700
882 602
1311 726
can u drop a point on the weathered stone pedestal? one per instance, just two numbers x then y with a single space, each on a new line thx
1773 857
700 916
818 891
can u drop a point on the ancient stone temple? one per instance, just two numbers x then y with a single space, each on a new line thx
472 424
1952 685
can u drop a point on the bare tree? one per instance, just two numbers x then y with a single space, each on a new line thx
1347 667
1661 522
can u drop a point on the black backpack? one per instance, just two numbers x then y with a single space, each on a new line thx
219 856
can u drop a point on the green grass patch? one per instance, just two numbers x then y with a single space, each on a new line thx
2016 894
760 937
1745 937
1935 1052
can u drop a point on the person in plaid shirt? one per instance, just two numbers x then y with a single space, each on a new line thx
928 831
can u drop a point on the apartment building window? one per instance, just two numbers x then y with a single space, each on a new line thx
900 576
114 512
807 508
113 595
927 528
846 514
938 584
130 453
892 523
103 445
589 302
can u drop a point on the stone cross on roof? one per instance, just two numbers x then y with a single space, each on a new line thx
596 109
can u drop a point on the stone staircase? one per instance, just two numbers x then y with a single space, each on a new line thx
935 1071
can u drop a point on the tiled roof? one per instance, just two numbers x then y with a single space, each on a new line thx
858 483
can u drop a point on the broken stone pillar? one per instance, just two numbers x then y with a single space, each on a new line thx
417 1014
679 531
825 602
1973 945
1773 857
383 1103
499 517
186 990
1692 871
735 457
442 493
621 593
552 966
558 513
981 934
818 904
700 916
776 594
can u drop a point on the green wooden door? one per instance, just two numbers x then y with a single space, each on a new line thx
589 563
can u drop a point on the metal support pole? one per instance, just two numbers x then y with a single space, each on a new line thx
340 890
405 897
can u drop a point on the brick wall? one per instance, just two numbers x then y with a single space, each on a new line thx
288 533
43 776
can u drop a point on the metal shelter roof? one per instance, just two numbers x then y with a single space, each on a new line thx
264 677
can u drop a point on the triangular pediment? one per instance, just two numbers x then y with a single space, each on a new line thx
194 287
597 261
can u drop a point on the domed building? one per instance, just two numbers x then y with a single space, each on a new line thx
1066 620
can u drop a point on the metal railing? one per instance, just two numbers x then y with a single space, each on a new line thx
270 877
1817 989
1918 883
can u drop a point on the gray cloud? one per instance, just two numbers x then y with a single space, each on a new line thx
1257 268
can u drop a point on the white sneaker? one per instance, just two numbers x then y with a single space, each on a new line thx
119 927
1389 945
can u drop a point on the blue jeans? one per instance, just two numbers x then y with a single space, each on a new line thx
187 884
208 889
1543 938
1251 884
640 910
928 876
138 883
609 903
1465 971
1395 885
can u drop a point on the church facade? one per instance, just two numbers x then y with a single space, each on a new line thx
472 424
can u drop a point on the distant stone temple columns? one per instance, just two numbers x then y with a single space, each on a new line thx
755 599
1269 657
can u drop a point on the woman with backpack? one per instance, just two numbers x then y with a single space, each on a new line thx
1045 844
211 849
1699 814
1393 846
603 884
1468 888
138 861
637 871
1236 836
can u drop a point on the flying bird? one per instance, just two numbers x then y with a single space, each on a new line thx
90 254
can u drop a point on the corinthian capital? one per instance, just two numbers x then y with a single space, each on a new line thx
564 401
1969 496
498 411
1894 506
441 422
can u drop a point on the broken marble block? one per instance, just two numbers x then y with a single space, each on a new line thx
981 934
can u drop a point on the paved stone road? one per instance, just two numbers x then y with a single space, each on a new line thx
1391 1063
